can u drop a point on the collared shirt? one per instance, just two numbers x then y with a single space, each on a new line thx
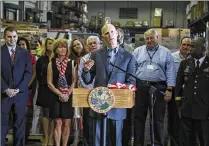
200 60
177 59
160 68
80 70
113 53
10 48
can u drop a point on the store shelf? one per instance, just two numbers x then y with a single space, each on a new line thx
134 30
203 19
74 9
59 16
69 13
199 25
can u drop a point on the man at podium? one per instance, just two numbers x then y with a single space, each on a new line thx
101 66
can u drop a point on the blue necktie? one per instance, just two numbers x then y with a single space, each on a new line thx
109 59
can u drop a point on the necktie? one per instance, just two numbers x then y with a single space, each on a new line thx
109 51
13 56
197 64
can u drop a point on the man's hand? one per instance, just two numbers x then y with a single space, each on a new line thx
168 95
88 65
11 92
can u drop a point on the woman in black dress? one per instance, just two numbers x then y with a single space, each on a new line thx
77 51
61 78
44 94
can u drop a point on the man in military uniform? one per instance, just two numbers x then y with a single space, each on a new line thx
192 86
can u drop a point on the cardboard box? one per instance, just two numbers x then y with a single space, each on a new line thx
157 21
158 12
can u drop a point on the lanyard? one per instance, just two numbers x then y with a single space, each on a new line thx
150 57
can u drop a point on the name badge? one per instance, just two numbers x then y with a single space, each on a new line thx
150 67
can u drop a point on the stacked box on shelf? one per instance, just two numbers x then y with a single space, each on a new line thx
200 9
157 21
196 9
205 7
157 17
194 13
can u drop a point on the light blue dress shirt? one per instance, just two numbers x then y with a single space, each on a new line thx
80 70
113 53
160 68
177 59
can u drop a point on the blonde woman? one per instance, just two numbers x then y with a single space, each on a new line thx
44 93
61 78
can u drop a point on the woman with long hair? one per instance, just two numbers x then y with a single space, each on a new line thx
24 43
77 51
44 93
61 78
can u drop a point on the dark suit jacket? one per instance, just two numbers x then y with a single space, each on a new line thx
123 60
15 76
192 85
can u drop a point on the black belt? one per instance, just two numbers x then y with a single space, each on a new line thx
153 83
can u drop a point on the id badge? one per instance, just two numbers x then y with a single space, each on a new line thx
150 67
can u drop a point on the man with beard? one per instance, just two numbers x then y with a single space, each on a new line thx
191 85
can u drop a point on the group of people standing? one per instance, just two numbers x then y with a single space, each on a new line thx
180 78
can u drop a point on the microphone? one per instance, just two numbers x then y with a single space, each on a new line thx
144 83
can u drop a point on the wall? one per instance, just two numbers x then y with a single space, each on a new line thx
172 10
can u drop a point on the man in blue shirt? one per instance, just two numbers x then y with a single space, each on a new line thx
155 65
182 53
89 122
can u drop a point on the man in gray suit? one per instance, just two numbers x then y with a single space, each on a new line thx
99 66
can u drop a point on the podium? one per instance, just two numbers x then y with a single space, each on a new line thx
124 98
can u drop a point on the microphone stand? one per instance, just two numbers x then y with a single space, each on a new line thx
152 91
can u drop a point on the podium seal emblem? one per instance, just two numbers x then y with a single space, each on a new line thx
101 99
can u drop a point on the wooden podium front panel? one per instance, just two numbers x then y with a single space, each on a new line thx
124 98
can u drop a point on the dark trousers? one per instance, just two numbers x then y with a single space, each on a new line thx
18 110
114 132
191 128
89 128
173 122
142 104
128 129
111 132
